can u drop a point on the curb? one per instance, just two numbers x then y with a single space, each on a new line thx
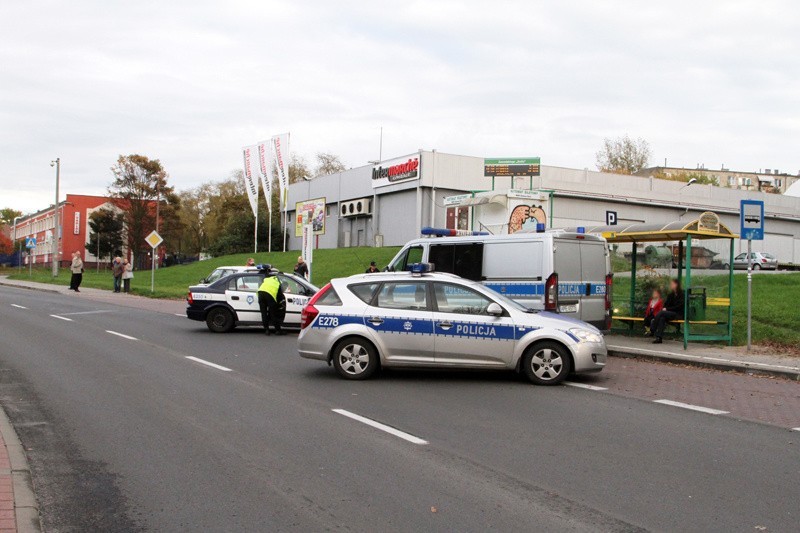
26 509
28 287
700 361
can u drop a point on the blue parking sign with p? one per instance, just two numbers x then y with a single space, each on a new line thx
751 220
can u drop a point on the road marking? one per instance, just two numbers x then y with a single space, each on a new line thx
122 335
583 386
795 429
383 427
62 318
18 306
87 312
180 314
692 407
208 363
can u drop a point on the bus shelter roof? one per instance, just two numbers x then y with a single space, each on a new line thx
703 227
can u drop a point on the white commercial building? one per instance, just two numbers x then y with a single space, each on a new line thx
388 204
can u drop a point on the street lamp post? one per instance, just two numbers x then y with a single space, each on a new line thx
57 164
19 248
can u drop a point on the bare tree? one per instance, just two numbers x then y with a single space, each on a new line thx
623 155
328 163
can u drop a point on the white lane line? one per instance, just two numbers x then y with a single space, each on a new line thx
62 318
122 335
692 407
795 429
18 306
87 312
180 314
583 386
208 363
383 427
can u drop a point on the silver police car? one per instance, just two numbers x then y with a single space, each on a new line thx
421 319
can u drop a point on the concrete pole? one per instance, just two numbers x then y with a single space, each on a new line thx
19 248
57 164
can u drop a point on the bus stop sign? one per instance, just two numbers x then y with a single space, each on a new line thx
751 220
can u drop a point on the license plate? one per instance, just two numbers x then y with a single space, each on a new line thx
567 308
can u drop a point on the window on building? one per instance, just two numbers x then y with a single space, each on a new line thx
731 181
778 183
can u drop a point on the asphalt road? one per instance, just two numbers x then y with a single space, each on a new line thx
125 433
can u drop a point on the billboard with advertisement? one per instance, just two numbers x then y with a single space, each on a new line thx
310 212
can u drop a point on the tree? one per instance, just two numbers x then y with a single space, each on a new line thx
328 164
138 182
699 177
623 155
8 214
6 246
298 169
108 226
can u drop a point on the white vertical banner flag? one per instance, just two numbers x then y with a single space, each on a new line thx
280 144
265 166
250 180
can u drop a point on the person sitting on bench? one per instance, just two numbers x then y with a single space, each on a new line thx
654 306
673 310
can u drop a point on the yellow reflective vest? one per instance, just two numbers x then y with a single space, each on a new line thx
271 285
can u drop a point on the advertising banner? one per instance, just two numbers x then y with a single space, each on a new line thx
76 228
308 247
250 180
265 166
280 147
312 213
396 171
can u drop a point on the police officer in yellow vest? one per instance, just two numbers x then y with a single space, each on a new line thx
270 300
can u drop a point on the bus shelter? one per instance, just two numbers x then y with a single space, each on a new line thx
706 317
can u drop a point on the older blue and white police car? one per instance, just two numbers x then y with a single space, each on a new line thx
422 319
233 300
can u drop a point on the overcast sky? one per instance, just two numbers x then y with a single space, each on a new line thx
190 83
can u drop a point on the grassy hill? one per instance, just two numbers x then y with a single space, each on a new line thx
172 282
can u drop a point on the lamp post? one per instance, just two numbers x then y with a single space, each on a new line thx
57 164
19 248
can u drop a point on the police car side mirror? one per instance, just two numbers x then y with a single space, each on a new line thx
494 309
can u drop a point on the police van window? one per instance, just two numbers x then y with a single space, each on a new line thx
409 296
245 283
568 260
408 257
364 291
461 300
465 260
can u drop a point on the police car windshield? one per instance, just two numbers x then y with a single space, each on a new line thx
505 300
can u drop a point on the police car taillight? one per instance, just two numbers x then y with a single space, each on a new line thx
189 299
551 293
309 312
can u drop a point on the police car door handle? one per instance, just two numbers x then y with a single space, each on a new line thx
234 297
375 321
445 325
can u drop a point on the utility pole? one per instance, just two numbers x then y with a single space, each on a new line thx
19 248
57 164
158 211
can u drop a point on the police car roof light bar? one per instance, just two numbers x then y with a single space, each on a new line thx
417 269
444 232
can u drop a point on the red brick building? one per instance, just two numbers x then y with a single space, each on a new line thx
73 234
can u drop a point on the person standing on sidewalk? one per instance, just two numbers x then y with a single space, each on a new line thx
77 272
127 276
673 309
270 298
301 268
116 270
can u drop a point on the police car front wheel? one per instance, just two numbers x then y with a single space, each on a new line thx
355 358
220 320
546 363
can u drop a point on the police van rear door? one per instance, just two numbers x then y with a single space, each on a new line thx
580 263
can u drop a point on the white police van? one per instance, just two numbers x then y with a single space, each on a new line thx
558 271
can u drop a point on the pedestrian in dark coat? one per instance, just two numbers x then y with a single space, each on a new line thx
673 310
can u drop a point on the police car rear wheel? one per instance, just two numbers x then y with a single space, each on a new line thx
546 363
355 358
220 320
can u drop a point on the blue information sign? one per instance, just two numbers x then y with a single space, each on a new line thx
30 242
751 220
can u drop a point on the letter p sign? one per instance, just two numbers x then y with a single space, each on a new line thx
611 218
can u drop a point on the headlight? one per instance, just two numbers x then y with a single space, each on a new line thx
586 335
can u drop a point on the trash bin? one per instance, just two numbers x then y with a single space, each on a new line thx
697 303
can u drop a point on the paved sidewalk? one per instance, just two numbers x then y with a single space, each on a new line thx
736 358
101 295
19 511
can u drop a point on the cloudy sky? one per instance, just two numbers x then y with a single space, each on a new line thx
192 82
